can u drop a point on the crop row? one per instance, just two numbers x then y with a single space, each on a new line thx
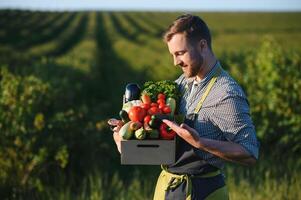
39 33
138 33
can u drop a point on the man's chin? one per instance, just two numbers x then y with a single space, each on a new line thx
187 75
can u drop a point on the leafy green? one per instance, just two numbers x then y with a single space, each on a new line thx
169 88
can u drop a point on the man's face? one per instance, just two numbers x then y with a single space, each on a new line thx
185 55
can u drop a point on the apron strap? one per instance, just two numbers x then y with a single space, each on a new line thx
211 83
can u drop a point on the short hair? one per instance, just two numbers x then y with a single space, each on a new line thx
192 26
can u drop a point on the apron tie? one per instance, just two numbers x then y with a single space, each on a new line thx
177 180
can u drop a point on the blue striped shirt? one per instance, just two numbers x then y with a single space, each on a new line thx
224 116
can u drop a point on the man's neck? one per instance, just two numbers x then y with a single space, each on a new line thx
207 66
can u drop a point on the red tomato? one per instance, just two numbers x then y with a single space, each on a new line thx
161 101
153 110
146 106
161 96
166 110
161 106
136 113
154 105
147 118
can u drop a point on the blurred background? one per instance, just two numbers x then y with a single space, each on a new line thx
63 70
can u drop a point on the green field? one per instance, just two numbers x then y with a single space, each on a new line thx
62 75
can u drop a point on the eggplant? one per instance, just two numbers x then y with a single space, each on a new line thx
132 92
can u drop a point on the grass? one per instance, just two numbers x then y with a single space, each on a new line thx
258 183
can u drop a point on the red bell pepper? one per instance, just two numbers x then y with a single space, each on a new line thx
166 133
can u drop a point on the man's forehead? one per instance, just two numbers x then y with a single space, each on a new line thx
177 38
177 43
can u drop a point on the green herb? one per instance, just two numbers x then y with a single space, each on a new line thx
169 88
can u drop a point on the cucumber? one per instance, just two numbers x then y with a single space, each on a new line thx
163 116
124 116
155 123
125 131
171 102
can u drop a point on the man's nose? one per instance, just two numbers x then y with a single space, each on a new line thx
177 61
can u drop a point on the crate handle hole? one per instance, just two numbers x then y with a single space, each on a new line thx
148 145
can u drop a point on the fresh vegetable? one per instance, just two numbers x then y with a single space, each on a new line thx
153 110
125 132
161 101
132 92
166 110
151 133
171 102
135 125
124 116
128 105
147 119
136 113
154 105
166 133
154 123
166 87
161 106
146 106
145 98
162 116
143 112
161 96
140 134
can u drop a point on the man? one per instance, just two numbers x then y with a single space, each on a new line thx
217 125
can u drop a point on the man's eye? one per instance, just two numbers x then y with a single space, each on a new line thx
180 53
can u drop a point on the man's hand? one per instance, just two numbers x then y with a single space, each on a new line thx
224 149
189 134
117 138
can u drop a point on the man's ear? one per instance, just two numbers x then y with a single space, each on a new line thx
202 45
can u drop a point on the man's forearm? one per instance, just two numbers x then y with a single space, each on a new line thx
227 150
224 149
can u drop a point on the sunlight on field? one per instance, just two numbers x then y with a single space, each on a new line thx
62 75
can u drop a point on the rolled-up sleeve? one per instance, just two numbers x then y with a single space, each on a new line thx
232 116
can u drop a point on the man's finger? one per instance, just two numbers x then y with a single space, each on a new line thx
172 125
175 127
190 130
185 126
116 128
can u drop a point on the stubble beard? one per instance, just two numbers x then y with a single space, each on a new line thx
194 68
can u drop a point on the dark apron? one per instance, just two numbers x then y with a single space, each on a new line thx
188 162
